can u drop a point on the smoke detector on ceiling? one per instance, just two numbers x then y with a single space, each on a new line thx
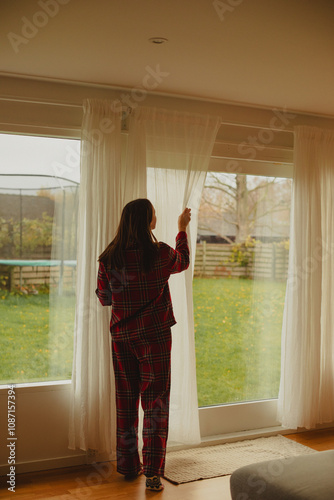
158 40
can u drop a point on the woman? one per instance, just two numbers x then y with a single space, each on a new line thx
133 278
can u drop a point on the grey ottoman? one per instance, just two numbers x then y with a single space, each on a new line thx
304 477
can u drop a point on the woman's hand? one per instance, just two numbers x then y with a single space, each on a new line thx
184 219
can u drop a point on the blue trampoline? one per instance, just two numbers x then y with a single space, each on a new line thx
37 263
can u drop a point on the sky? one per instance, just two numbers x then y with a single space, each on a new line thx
52 157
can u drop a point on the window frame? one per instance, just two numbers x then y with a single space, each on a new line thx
231 418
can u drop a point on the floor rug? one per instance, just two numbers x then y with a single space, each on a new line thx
220 460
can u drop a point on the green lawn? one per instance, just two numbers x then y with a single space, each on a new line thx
30 350
238 339
237 325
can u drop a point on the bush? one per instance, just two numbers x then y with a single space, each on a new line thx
243 254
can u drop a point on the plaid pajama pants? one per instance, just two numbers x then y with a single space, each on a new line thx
142 370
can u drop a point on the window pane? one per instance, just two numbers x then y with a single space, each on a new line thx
239 286
39 179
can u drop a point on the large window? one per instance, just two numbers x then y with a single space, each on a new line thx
239 286
39 179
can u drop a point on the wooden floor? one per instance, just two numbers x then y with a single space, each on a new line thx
87 482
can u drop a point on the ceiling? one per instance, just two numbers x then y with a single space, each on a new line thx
270 53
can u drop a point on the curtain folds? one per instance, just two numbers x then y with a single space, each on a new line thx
178 147
104 190
165 157
306 396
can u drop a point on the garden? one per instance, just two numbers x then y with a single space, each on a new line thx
238 289
237 332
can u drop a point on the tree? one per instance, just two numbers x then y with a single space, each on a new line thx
235 206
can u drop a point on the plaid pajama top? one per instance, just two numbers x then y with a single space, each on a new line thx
142 303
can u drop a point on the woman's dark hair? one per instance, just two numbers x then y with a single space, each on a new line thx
134 231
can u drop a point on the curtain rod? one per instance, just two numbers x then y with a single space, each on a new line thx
128 109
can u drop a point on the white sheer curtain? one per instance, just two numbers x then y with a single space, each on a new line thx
62 293
178 148
306 395
106 186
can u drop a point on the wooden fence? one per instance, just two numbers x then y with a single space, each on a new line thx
33 276
270 261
